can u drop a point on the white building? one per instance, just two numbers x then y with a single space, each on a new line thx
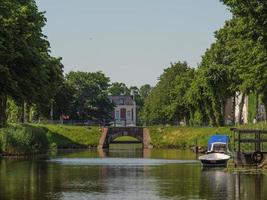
124 113
232 113
245 108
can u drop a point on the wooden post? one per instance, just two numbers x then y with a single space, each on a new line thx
258 141
239 137
196 148
238 152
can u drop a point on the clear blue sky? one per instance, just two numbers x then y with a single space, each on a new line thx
131 41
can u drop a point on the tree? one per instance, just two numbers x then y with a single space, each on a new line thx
161 105
254 12
24 55
117 89
29 75
145 90
89 98
234 63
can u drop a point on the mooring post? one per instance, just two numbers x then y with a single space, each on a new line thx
196 148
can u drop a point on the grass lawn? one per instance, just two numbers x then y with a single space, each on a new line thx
184 137
126 139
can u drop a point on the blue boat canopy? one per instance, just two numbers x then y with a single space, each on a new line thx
218 138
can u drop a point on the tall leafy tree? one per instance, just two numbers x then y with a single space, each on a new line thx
145 90
89 98
254 12
161 105
24 55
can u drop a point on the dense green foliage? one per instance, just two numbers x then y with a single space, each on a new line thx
23 139
26 67
84 96
35 139
253 11
117 89
166 102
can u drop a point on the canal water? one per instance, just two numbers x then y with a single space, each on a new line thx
128 174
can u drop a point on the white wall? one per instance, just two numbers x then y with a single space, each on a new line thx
130 111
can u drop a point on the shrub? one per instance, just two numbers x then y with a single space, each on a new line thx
23 139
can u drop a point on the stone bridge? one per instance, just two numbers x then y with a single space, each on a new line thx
111 133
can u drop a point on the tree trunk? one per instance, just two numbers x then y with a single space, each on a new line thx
217 108
21 113
241 106
52 110
223 111
257 107
28 113
210 113
233 109
3 114
265 104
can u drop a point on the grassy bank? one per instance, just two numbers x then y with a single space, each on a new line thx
25 139
184 137
20 139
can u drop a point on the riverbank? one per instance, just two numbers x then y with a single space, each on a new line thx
24 139
185 137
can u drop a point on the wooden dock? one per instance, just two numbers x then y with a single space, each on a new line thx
250 146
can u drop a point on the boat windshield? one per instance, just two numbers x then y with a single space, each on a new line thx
219 147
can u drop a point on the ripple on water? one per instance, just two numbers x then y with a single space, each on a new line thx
119 161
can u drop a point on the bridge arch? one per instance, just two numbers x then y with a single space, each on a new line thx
111 133
131 138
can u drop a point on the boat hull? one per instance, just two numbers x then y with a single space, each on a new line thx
214 160
217 163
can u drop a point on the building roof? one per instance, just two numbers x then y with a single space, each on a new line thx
121 100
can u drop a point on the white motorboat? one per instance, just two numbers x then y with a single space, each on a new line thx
218 148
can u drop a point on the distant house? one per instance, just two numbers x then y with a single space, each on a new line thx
124 113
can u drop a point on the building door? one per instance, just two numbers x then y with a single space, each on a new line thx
123 113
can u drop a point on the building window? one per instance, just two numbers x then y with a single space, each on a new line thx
117 115
128 114
123 113
121 101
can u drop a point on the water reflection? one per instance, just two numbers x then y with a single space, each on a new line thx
144 177
217 183
249 186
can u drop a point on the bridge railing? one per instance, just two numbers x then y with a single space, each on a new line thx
137 130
